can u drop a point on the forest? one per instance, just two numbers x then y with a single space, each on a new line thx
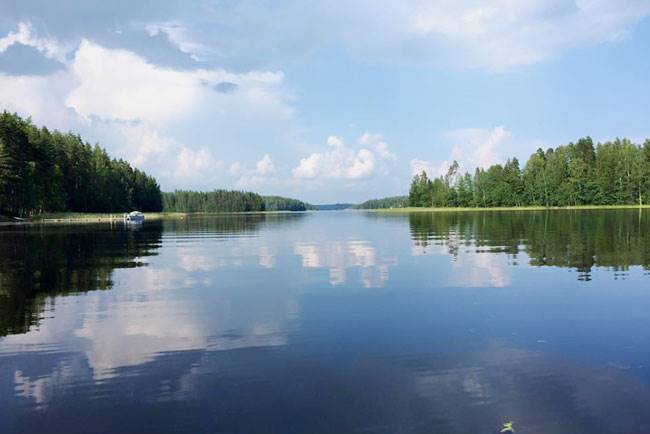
228 201
212 201
279 203
49 171
581 173
383 203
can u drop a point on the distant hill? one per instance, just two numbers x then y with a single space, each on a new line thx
386 202
333 206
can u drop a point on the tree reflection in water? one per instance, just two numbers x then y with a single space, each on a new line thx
580 240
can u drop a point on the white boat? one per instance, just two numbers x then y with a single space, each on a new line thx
134 217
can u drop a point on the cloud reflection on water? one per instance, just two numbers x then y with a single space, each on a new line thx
340 256
470 266
147 314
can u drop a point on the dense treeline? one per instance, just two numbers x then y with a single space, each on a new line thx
228 201
43 171
333 206
278 203
212 201
386 202
611 173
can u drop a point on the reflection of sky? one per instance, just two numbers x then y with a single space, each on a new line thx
469 268
176 303
338 256
133 327
282 321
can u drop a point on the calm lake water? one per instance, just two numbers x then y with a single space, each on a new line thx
329 322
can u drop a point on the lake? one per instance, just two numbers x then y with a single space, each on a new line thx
329 322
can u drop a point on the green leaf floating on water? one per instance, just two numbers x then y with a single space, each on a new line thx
507 427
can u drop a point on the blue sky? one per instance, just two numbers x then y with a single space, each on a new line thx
326 101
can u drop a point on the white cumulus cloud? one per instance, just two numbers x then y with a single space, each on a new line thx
178 125
195 163
117 84
262 177
478 147
265 166
378 143
25 35
179 36
471 148
338 162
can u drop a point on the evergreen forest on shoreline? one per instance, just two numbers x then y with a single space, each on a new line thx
573 175
43 171
228 201
49 171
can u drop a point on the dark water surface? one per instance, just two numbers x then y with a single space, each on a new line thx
337 322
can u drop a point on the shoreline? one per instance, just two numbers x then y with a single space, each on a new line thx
53 218
60 218
50 218
507 208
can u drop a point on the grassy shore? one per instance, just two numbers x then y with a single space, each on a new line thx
509 208
65 217
77 217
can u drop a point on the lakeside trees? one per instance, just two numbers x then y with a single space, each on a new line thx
212 201
279 203
385 202
43 171
611 173
228 201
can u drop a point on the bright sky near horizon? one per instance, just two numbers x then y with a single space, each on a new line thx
326 100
